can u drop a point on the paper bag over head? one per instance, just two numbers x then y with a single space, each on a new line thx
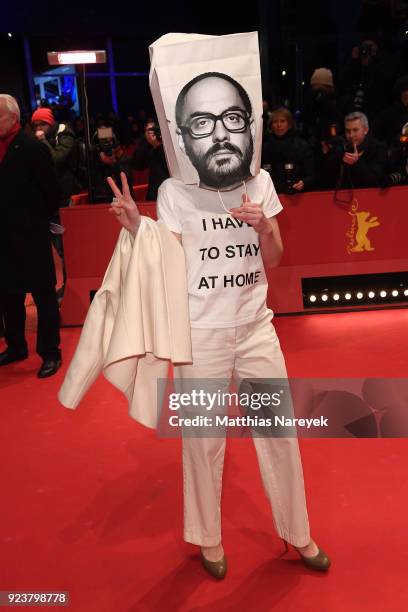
176 59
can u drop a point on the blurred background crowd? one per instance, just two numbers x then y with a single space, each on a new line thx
350 131
335 116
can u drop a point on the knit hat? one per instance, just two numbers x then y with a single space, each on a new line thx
322 76
43 114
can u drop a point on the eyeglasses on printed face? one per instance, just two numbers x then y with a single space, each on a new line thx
204 125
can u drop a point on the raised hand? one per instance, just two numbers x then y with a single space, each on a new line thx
124 208
40 134
252 213
351 158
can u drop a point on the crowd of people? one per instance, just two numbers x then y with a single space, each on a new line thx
349 132
351 136
339 141
332 143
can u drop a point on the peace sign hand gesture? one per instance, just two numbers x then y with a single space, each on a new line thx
124 208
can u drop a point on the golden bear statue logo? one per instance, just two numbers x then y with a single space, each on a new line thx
361 224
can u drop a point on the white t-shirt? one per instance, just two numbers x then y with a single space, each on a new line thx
226 279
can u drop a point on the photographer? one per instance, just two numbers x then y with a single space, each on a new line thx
366 80
359 161
150 154
287 157
109 159
60 141
322 118
321 112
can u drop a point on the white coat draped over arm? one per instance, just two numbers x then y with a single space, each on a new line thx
137 324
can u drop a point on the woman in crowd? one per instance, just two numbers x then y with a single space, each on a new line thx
287 157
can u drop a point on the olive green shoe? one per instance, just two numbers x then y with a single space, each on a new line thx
320 562
217 569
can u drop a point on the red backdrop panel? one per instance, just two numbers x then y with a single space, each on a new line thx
317 230
89 240
321 238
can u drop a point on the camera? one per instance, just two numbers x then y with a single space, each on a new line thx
156 131
105 141
364 50
394 178
348 147
290 177
358 101
332 136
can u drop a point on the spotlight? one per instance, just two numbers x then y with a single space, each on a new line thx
56 58
360 295
9 34
395 293
283 72
371 294
383 293
406 292
336 297
347 296
324 297
312 298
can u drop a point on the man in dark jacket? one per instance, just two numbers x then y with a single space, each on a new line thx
29 196
360 161
60 140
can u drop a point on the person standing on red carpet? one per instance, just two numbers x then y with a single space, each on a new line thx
29 198
231 330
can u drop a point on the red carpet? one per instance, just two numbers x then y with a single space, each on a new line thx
92 501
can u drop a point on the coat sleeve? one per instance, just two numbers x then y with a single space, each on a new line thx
367 172
332 165
87 362
142 156
63 149
45 175
307 165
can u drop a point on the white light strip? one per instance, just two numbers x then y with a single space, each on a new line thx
77 57
383 293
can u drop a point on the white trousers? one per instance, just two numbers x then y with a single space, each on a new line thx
246 351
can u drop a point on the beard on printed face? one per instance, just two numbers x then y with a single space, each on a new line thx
223 165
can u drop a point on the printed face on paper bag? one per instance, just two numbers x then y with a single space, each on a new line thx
215 128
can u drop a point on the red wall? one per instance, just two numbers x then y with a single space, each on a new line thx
321 238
